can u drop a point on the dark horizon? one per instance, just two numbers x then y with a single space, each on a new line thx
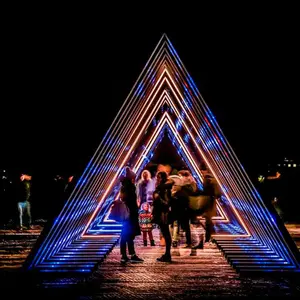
247 81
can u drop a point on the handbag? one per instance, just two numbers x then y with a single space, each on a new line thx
199 203
119 211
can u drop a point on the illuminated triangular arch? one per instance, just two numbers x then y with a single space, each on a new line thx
165 97
164 123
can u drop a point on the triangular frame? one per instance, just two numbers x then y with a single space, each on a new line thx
271 246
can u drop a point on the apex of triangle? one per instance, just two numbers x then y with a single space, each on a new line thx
165 35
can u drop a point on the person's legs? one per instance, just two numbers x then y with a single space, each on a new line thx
28 211
130 244
151 238
131 251
208 228
123 246
197 233
129 237
167 236
20 209
175 233
145 238
124 237
161 238
188 233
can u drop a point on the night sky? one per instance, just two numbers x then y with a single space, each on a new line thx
58 76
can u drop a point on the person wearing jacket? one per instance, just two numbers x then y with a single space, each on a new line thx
23 198
131 227
161 211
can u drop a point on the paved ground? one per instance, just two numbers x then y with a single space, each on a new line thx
205 275
15 245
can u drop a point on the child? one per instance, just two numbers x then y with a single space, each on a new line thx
145 217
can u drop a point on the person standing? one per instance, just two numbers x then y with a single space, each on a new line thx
145 188
130 227
23 198
212 190
161 211
145 217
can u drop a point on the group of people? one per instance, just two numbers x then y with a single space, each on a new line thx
166 201
22 197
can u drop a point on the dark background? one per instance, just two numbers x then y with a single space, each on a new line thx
65 77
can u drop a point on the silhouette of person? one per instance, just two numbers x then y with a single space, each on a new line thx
161 211
23 197
130 227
